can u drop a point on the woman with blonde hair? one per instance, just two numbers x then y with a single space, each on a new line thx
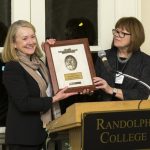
29 91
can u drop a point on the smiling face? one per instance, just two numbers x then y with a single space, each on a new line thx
25 40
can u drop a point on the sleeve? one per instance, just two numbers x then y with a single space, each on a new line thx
100 95
17 89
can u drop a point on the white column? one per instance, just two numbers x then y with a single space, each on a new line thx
20 10
38 18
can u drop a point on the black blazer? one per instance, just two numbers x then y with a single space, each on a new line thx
3 99
138 66
24 125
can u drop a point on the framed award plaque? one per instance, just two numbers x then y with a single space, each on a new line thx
70 64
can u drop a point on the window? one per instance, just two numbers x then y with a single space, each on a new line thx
80 17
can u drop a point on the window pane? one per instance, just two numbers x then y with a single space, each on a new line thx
79 15
5 19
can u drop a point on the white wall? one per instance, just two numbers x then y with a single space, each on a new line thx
145 18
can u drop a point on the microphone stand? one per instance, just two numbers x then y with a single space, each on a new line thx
131 77
139 81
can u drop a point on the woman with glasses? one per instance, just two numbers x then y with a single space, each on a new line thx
124 57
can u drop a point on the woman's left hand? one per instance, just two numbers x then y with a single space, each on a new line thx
102 84
62 94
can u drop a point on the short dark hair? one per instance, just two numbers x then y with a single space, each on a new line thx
135 28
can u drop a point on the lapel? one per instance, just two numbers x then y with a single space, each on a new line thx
133 64
132 69
112 58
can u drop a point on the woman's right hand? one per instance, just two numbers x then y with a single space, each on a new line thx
63 94
103 85
51 41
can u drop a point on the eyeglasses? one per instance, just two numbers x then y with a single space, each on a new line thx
118 33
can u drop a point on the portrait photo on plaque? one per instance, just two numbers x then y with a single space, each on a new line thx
70 64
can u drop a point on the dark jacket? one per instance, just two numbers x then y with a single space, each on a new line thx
24 125
138 66
3 98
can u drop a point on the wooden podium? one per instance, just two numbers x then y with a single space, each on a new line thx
70 122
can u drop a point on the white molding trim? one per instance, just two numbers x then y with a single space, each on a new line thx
38 18
20 10
2 130
1 48
139 9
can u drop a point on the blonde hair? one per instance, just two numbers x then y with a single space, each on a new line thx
9 52
135 28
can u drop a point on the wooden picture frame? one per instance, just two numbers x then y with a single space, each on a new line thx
70 64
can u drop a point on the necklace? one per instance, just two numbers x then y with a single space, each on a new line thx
123 60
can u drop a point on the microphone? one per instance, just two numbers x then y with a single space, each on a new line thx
102 55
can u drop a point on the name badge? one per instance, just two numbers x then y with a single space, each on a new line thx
119 78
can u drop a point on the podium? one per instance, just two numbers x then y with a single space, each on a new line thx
70 123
